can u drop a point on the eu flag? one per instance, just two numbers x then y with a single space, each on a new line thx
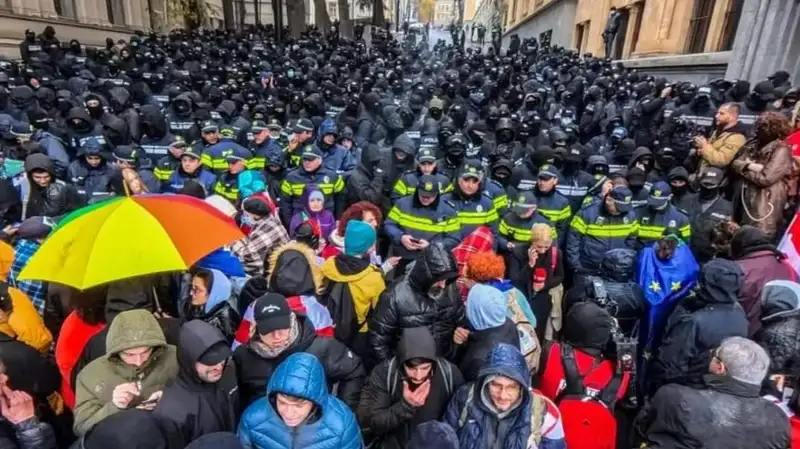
664 283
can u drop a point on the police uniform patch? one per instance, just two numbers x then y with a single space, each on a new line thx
326 179
646 220
625 220
628 198
428 186
521 199
657 193
600 220
479 208
671 224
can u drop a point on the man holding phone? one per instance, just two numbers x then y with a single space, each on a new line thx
417 220
137 365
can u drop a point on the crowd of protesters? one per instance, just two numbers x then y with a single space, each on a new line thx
445 248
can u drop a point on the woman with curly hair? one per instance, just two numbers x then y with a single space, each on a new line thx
369 214
764 166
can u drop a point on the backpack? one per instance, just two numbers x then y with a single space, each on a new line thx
339 301
528 341
442 366
587 414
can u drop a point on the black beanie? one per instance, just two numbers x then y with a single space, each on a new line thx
256 206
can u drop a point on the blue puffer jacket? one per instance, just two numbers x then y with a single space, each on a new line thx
300 375
504 360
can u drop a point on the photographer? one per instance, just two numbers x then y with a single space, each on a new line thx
614 289
721 148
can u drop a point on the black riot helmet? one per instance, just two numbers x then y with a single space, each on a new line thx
505 130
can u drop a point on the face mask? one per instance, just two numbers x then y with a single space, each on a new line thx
679 191
247 220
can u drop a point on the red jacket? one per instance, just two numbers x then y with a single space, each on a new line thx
74 335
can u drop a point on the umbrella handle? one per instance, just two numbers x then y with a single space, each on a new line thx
157 302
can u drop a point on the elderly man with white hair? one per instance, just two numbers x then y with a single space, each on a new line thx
728 413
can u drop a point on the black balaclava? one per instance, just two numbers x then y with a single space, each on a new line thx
636 178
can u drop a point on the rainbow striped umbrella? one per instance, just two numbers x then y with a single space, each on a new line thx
127 237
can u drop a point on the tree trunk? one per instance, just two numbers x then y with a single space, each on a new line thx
345 22
321 17
296 13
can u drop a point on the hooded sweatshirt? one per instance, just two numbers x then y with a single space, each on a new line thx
95 385
383 409
191 407
487 317
220 309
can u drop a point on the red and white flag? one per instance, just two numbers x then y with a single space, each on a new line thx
790 244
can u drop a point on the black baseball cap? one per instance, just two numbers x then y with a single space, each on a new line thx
428 186
271 312
711 176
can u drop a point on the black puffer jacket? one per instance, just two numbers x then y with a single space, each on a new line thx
56 199
780 325
698 325
681 417
410 303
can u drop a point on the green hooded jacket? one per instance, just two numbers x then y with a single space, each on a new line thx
95 384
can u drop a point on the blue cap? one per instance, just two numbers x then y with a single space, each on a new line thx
236 154
524 201
311 152
548 171
659 195
622 197
209 127
471 169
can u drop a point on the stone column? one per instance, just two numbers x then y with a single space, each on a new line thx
768 39
26 8
47 8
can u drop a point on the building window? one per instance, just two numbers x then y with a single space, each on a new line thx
732 16
65 8
5 4
545 38
580 29
637 26
699 25
333 11
116 12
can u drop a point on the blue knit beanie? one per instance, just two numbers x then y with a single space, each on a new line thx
486 307
358 238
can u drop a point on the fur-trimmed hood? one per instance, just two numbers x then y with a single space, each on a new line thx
293 271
